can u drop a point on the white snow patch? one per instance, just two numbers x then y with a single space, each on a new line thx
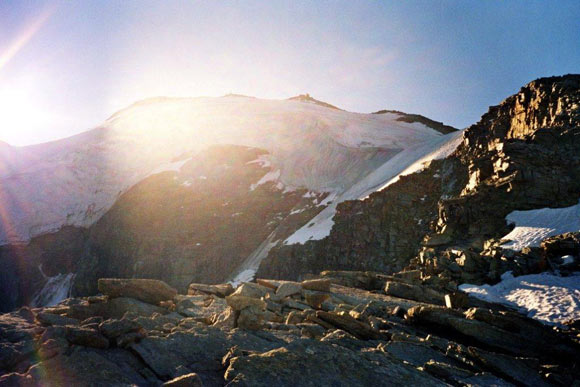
55 290
268 177
567 259
263 160
421 154
329 198
245 276
533 226
548 298
247 270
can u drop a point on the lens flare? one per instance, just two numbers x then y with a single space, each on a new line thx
26 35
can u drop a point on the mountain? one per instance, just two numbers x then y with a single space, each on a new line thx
490 207
341 248
218 189
190 189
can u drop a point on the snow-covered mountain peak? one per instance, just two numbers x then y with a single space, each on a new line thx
75 180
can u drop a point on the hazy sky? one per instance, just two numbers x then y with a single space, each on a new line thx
65 66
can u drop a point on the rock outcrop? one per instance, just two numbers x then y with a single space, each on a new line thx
447 220
270 332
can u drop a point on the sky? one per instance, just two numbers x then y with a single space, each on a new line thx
66 66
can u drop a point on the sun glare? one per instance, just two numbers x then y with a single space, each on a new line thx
19 118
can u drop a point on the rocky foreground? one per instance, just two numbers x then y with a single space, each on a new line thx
339 329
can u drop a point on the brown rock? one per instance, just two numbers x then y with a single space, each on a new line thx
220 290
249 289
315 299
288 289
414 292
239 303
320 285
226 319
251 318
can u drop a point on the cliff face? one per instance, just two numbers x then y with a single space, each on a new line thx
523 154
380 233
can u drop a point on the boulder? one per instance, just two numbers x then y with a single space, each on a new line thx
220 290
288 289
113 328
249 289
349 324
319 285
115 308
414 292
147 290
126 339
251 318
238 302
226 319
356 279
86 337
315 299
55 319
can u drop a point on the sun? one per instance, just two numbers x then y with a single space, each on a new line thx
19 117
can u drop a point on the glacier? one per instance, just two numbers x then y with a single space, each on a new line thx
74 181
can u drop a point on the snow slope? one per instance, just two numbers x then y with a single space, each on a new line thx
546 297
533 226
406 162
76 180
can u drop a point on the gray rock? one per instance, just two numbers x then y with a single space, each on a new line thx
55 319
414 292
346 322
113 328
86 337
519 370
313 363
415 354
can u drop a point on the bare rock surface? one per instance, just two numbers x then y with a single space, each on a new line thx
276 335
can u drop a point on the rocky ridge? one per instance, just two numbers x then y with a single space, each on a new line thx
449 219
338 328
